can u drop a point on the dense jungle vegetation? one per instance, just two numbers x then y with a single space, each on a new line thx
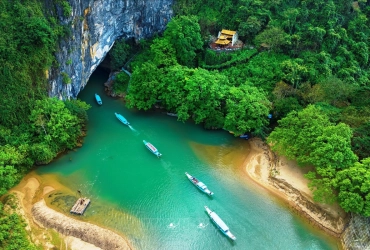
33 127
312 75
305 62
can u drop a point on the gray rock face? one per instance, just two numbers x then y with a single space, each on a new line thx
95 25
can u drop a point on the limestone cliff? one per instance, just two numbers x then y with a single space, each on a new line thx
95 25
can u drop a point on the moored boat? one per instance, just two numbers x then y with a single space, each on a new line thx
122 119
171 114
199 184
219 223
98 99
151 148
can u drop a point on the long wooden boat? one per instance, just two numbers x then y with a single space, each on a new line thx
219 223
98 99
151 148
122 119
200 185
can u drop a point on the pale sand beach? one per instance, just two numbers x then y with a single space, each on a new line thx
74 234
286 179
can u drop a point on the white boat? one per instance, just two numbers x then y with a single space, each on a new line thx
219 223
98 99
151 148
171 114
122 119
199 184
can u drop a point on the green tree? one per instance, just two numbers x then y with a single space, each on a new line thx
311 139
145 86
285 105
361 140
274 37
195 93
353 185
246 109
290 16
54 124
9 157
13 234
118 54
295 72
163 53
183 32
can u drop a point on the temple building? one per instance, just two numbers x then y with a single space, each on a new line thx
225 37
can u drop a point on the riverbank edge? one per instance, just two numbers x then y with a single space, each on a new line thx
270 171
100 237
75 234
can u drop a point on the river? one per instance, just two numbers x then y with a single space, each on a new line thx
150 200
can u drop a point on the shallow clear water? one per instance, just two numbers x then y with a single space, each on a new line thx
151 201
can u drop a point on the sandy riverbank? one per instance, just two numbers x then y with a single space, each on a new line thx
72 233
285 179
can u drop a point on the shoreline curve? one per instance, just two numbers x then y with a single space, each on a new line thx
286 180
100 237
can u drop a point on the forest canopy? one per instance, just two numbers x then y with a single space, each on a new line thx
306 63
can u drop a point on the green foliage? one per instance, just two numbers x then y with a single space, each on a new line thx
361 140
13 234
195 93
310 138
322 187
322 62
119 54
65 78
273 37
333 113
212 57
183 32
236 57
353 185
336 92
67 9
163 53
263 70
78 108
26 45
9 157
54 125
120 83
355 116
145 86
247 109
294 71
285 105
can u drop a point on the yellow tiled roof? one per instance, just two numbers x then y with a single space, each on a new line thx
228 32
222 42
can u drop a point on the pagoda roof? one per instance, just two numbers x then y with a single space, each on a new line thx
222 41
228 32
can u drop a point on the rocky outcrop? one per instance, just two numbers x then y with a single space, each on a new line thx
94 26
100 237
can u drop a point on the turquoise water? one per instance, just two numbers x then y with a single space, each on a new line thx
151 201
